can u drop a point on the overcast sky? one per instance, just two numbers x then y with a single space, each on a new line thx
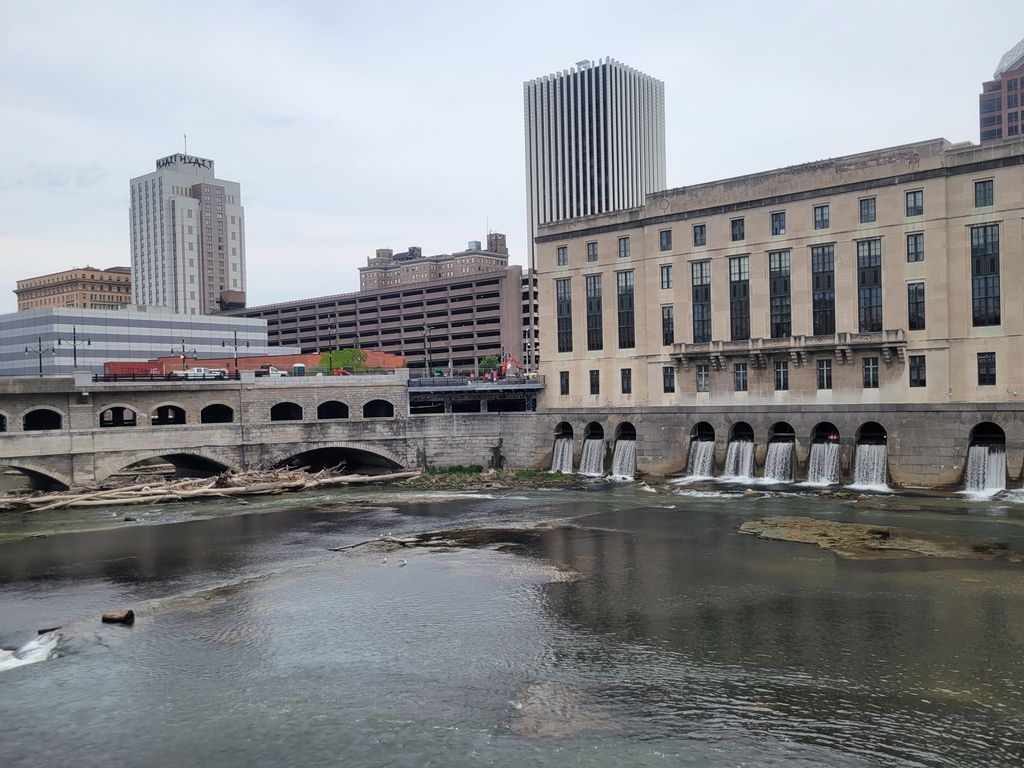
356 126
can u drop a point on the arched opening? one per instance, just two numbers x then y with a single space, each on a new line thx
118 416
625 431
286 412
354 460
3 423
176 464
593 431
42 418
217 413
166 415
702 432
741 431
24 479
871 433
332 409
564 429
988 434
825 432
782 432
378 409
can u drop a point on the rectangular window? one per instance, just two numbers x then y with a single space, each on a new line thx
595 382
591 251
870 372
824 374
666 276
869 285
983 194
665 240
668 379
561 256
918 372
986 369
595 319
985 274
779 294
821 217
915 306
624 283
703 377
668 333
867 210
779 223
781 375
626 376
700 277
623 247
739 297
700 235
563 382
736 227
739 377
563 314
823 289
915 247
915 203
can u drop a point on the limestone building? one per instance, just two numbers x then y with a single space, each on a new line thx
85 287
187 237
390 269
1000 105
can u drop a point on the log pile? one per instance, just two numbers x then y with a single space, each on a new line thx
226 485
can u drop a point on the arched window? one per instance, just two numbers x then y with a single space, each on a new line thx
378 409
217 413
332 409
118 416
42 418
166 415
286 412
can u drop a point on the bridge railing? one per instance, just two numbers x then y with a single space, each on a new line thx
466 381
109 377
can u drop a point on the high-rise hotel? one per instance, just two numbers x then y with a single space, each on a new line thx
188 237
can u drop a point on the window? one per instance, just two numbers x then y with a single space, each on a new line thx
986 369
668 333
869 285
867 210
563 382
739 297
915 203
915 247
595 320
668 379
595 382
781 375
700 278
623 247
739 377
915 306
823 289
779 223
779 294
665 240
824 374
870 372
563 314
983 194
561 256
626 377
918 372
821 217
624 282
736 226
700 235
985 274
703 377
591 251
666 276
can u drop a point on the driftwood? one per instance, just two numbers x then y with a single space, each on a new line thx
119 617
227 485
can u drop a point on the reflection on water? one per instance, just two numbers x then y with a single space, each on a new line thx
684 643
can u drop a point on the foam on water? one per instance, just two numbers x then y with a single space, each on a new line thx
37 649
561 456
702 459
624 460
823 467
739 462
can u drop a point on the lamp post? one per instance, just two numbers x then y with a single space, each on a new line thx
234 344
39 350
74 344
183 353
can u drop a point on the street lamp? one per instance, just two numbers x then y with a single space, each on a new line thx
183 353
74 344
39 350
235 344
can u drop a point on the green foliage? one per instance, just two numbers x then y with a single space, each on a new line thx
458 469
349 359
489 363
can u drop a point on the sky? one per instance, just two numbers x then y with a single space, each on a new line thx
357 126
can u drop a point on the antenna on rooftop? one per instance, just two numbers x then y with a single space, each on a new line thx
186 143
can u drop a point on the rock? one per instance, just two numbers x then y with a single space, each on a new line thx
120 617
879 533
46 630
863 497
752 493
990 547
129 519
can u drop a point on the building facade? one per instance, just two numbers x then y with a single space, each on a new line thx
1001 102
84 287
388 269
188 237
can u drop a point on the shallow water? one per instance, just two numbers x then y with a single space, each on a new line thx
684 643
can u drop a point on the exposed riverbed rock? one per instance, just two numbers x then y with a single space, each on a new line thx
857 541
120 617
555 709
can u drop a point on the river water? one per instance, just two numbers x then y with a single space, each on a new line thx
639 630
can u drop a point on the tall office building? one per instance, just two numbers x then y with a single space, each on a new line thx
1000 111
188 237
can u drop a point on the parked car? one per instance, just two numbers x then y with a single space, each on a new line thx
269 370
200 373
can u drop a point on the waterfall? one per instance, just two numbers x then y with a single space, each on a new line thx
870 469
592 460
823 468
986 468
624 459
739 461
702 458
778 465
561 457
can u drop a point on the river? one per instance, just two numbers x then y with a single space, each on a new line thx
637 629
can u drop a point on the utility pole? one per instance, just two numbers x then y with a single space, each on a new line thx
235 344
183 353
39 350
74 344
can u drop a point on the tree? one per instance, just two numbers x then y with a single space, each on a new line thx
489 363
349 359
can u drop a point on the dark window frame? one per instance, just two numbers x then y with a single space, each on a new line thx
918 368
869 370
625 304
665 240
737 229
595 315
869 285
563 313
820 216
868 210
986 369
914 200
823 289
916 317
780 294
626 380
700 235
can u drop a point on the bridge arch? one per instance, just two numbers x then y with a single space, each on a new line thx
118 415
286 411
332 409
357 457
186 463
42 417
40 477
3 421
216 413
378 409
167 414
